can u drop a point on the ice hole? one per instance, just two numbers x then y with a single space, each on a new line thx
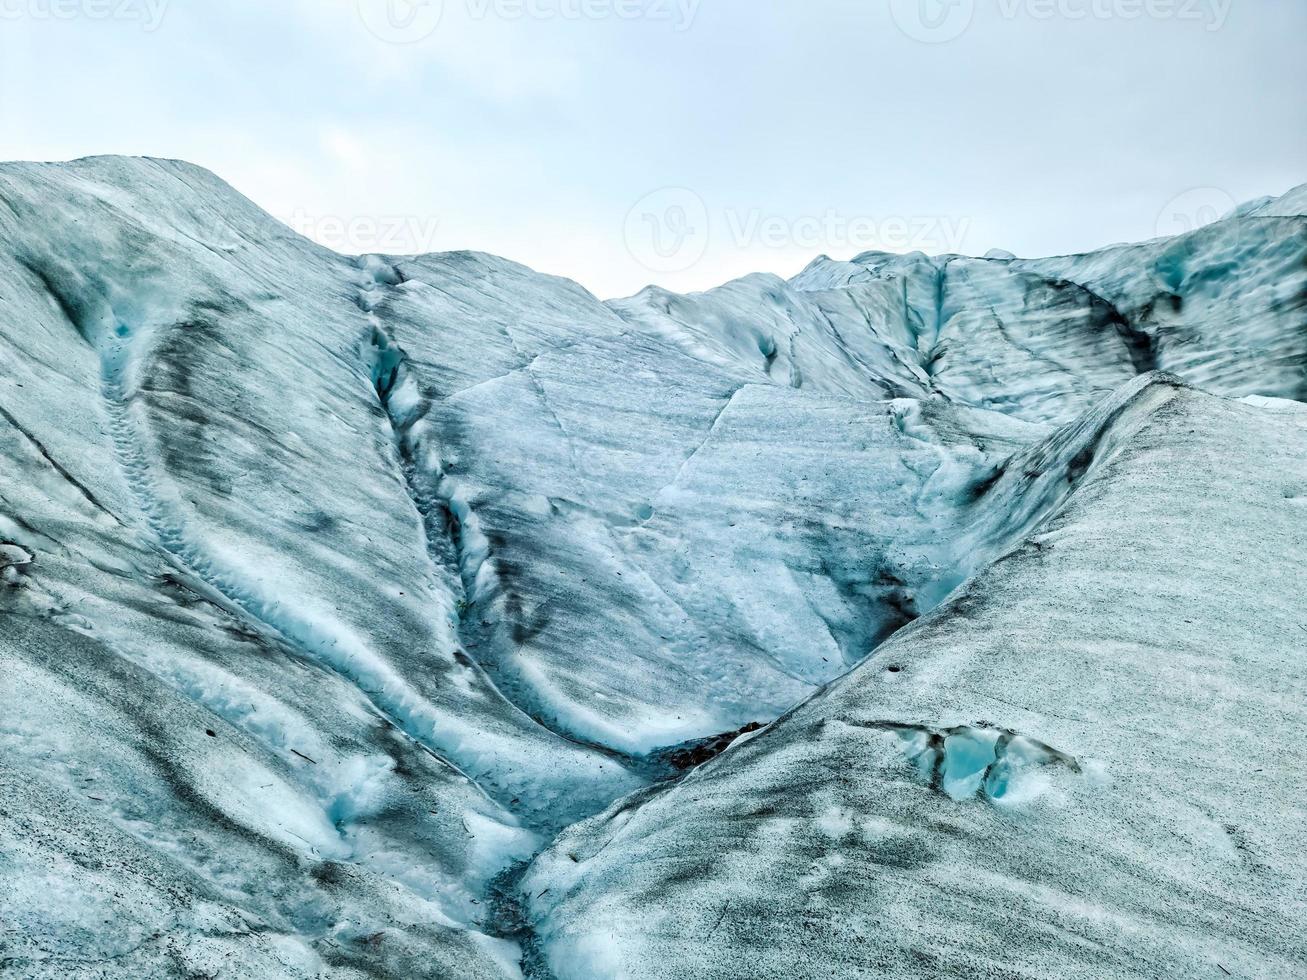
967 757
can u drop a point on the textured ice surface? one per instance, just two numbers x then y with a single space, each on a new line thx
1076 767
334 591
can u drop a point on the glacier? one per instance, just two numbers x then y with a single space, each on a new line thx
425 616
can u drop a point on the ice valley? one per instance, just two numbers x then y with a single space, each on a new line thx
427 617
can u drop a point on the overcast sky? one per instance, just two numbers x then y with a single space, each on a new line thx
683 142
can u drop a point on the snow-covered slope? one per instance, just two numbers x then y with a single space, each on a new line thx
335 590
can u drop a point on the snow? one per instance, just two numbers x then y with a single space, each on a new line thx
349 605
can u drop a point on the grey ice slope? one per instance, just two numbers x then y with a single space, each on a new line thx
333 590
1076 767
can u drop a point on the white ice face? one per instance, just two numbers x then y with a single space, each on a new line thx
394 615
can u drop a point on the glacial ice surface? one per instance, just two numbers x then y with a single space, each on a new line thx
426 616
